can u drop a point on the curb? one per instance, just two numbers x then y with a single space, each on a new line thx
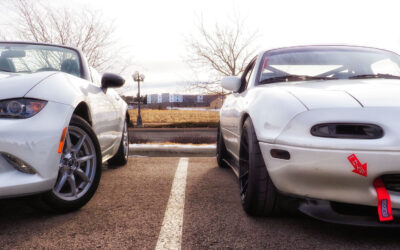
183 150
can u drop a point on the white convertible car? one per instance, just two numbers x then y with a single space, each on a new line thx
58 123
318 125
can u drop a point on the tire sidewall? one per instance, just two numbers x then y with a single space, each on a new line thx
260 196
250 192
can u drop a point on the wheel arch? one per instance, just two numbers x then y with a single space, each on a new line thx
82 110
128 119
243 119
270 109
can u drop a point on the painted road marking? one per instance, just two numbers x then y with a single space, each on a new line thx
170 236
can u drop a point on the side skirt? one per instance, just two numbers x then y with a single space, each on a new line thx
233 164
235 169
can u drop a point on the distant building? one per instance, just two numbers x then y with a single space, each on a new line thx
173 98
165 98
153 98
182 100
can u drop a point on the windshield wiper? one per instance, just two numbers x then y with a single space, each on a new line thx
366 76
291 78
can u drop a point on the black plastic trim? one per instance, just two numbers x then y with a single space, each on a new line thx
280 154
324 211
347 130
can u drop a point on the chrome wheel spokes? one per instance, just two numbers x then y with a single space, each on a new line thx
82 175
68 143
72 184
78 146
61 182
77 165
85 158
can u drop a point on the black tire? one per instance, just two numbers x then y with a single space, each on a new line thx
121 157
221 150
258 193
55 202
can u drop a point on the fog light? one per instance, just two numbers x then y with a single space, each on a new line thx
18 164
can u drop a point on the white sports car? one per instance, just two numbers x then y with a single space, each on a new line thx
58 123
318 125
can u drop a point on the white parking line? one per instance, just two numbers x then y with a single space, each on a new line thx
170 236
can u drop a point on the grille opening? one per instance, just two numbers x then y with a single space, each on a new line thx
351 130
353 209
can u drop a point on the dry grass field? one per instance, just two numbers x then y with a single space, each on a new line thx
160 118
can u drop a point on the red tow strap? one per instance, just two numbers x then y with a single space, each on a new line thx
384 205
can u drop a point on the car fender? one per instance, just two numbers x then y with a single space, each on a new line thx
74 89
270 109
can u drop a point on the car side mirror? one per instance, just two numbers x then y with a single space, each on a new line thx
110 80
231 83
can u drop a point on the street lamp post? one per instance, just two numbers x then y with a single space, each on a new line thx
138 78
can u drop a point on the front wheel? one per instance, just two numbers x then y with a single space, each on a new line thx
257 192
79 170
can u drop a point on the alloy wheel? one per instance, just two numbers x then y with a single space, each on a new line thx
77 167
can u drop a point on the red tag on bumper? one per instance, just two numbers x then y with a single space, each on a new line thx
384 206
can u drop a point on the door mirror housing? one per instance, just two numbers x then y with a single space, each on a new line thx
231 83
110 80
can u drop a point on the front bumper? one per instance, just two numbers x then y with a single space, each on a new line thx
326 174
346 214
34 141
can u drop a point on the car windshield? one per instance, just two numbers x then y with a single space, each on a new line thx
327 63
31 58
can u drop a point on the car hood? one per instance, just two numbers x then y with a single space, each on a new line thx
15 85
346 93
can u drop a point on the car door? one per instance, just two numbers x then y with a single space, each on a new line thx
104 115
117 102
232 111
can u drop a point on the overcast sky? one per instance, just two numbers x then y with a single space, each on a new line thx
155 30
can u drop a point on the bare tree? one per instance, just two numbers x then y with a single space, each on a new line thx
224 50
85 29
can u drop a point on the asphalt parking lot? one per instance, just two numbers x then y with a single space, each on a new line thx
132 205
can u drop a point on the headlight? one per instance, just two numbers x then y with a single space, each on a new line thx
347 130
20 108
